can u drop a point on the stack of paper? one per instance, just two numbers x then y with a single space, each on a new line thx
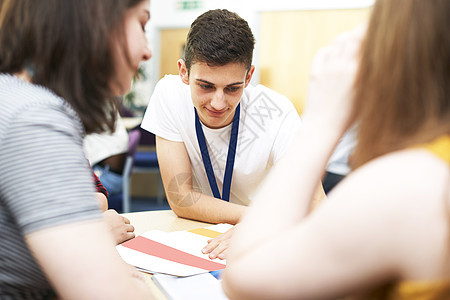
176 253
196 287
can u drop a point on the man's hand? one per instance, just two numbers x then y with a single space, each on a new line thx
120 226
218 247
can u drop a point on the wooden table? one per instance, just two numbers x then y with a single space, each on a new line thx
164 220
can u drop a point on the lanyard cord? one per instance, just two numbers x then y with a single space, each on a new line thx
230 156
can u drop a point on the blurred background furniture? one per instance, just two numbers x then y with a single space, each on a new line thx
138 162
121 202
147 162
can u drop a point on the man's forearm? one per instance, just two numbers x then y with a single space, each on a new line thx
201 207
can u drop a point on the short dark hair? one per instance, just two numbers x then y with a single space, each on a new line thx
218 37
69 47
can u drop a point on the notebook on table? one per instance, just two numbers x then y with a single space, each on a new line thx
174 253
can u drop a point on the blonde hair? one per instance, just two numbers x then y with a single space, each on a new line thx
402 90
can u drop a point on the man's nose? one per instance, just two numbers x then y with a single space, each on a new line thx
218 101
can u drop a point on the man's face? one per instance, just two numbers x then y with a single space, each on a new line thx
216 91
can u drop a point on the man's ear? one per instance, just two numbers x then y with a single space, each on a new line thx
182 70
248 78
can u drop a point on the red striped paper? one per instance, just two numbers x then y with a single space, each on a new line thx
154 248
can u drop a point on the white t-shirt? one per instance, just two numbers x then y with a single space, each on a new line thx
268 122
338 162
99 146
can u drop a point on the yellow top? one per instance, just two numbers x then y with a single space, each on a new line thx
415 290
423 290
440 147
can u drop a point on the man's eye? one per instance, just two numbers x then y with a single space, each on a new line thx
233 89
205 86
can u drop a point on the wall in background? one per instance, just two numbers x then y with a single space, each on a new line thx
172 41
289 40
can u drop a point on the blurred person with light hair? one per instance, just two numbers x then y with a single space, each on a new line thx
384 231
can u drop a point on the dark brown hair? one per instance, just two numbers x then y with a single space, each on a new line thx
402 90
68 46
219 37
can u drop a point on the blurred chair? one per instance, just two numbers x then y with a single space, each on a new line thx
147 162
121 202
136 162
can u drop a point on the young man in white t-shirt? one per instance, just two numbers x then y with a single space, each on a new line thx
216 135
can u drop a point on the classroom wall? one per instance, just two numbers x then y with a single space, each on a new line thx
172 41
289 40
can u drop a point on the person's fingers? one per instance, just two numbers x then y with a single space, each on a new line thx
344 36
219 250
129 228
223 255
129 235
212 244
359 32
125 236
356 34
126 220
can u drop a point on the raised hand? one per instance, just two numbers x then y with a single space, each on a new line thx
330 91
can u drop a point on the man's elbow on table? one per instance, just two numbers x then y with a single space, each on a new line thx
182 204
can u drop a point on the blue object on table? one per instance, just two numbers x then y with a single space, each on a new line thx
217 273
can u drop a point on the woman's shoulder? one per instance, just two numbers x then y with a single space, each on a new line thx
24 104
403 181
413 164
20 96
22 91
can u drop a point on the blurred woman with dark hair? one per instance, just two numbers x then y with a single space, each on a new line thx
63 65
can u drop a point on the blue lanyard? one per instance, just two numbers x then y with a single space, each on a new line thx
230 156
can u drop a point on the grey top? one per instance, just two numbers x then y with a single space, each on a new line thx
45 180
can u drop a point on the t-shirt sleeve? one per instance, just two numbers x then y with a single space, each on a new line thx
46 180
98 146
287 130
160 116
